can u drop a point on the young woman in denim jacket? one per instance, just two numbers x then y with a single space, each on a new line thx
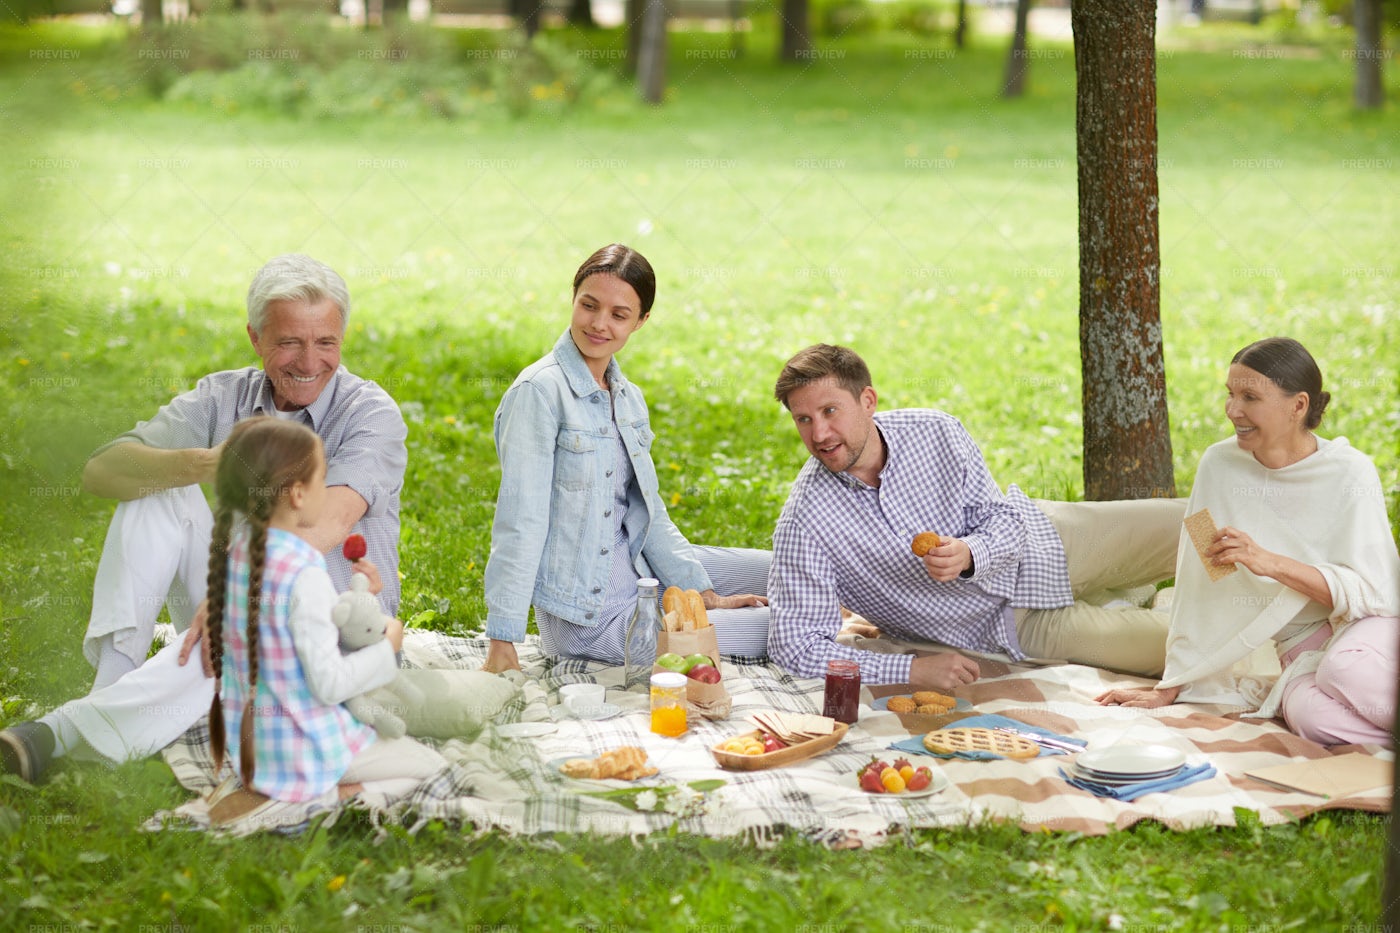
579 517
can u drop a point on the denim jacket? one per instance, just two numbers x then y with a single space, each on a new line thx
553 531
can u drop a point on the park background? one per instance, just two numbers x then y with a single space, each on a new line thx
877 191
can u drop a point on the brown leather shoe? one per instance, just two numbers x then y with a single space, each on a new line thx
236 805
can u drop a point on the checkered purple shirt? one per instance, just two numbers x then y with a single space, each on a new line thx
302 746
841 543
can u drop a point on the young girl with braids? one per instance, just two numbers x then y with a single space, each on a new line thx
277 706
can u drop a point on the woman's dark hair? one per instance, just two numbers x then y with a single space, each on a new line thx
628 265
1288 365
262 459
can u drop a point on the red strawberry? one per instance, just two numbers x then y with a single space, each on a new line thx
922 778
354 548
900 762
870 782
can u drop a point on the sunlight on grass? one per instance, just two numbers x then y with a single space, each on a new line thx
879 196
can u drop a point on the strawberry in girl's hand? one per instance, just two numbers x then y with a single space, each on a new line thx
354 548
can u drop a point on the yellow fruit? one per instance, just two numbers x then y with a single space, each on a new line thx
894 784
906 772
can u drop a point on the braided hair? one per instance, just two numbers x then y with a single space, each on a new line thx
262 460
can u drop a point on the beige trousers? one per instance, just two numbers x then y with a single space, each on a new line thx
1110 547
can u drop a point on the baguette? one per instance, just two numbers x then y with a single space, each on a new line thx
696 617
672 599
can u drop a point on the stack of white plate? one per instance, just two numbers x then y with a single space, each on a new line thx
1122 765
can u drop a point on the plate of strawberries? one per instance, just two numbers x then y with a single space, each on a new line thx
906 776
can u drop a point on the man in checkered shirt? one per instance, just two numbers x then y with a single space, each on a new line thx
1012 577
157 547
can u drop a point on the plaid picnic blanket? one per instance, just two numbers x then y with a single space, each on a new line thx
513 784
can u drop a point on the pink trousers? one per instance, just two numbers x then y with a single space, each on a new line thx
1351 697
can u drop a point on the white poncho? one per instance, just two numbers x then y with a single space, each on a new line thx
1326 510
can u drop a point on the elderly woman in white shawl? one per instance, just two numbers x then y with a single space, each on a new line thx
1302 520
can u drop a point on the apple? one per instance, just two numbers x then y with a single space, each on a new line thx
672 662
705 673
771 743
695 660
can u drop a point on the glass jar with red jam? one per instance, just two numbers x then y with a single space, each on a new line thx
842 702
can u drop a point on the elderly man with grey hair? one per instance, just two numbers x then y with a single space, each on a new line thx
157 548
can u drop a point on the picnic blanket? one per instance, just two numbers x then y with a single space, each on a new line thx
513 784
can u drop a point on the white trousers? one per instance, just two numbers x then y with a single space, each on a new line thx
394 766
137 715
156 554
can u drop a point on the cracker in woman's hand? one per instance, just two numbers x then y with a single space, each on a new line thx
1201 528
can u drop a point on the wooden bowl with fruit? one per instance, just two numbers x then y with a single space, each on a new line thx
774 747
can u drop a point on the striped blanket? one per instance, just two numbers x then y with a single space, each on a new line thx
514 784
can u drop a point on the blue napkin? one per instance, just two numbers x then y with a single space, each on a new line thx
1183 777
915 744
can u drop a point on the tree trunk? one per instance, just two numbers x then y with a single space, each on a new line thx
632 10
1370 92
1127 445
1014 83
581 13
960 30
528 13
651 57
151 14
797 34
394 9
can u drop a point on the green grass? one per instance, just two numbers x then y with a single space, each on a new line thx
879 195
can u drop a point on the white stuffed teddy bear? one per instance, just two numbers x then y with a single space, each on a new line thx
361 623
437 704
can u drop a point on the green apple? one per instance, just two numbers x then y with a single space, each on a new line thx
693 660
673 662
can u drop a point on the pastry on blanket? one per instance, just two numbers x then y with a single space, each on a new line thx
924 542
578 768
901 705
934 698
1004 744
626 763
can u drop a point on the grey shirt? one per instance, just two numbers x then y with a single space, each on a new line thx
357 421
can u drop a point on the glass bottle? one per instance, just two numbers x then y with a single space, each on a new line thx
842 698
639 652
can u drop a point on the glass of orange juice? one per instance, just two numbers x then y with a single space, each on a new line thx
668 703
